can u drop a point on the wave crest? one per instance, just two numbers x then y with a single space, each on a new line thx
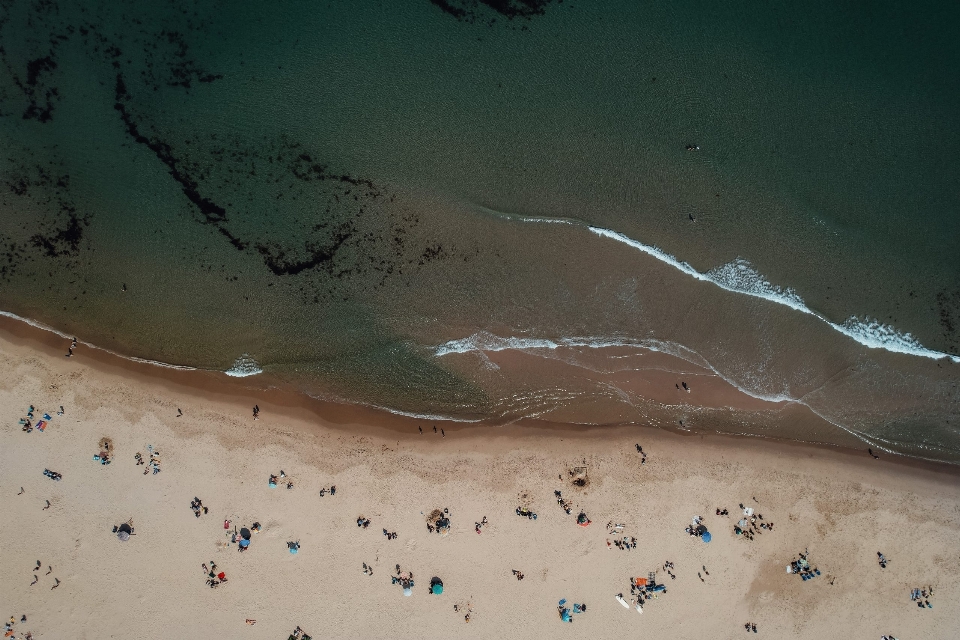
244 366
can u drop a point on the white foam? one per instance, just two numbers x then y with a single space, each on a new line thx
484 341
739 276
244 366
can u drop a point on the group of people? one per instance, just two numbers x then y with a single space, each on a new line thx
480 525
750 524
802 567
298 634
27 424
404 579
9 629
197 506
922 597
105 454
363 522
750 626
523 512
439 521
881 560
696 529
668 567
154 462
274 480
564 504
53 475
643 456
214 578
565 611
624 544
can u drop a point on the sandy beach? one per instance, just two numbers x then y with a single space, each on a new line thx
842 507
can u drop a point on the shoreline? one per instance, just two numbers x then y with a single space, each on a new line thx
352 418
840 505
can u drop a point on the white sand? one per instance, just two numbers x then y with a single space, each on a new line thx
843 508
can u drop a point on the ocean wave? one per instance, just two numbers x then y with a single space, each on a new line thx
484 341
244 366
741 277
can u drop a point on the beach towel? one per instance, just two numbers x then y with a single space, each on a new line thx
41 426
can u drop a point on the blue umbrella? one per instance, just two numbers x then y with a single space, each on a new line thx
706 536
244 543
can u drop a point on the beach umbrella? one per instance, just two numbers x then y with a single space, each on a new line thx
706 536
436 586
123 536
244 542
407 591
245 533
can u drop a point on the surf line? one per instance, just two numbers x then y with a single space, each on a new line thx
43 327
740 277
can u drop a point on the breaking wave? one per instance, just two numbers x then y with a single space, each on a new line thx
741 277
244 366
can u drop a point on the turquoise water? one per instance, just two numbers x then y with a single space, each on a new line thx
339 190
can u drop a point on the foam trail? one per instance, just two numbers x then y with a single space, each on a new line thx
739 276
485 342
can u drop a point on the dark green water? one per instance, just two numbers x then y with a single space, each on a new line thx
339 189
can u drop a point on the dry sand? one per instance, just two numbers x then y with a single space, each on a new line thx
842 507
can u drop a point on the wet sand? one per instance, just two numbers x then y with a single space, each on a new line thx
841 505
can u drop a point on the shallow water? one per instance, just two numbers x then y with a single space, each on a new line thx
368 201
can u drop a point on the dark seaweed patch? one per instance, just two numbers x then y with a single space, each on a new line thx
211 211
54 228
471 11
32 69
948 313
62 241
